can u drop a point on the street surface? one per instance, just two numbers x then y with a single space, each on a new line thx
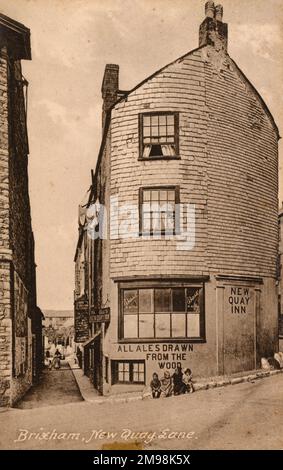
57 387
243 416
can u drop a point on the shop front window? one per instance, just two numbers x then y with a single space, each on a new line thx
162 313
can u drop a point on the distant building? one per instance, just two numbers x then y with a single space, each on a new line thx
20 318
190 152
59 327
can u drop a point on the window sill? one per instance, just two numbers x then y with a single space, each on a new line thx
162 340
148 159
159 234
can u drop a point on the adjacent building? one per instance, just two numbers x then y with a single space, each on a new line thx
176 261
280 277
20 317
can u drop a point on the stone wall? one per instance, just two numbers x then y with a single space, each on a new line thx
16 237
5 253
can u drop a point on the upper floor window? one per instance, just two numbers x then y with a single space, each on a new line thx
159 210
159 135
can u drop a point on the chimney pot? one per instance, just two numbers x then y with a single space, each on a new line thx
219 12
110 88
209 9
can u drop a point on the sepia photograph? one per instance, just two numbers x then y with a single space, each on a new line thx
141 227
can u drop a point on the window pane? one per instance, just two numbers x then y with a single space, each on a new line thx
170 119
136 367
146 195
126 377
163 195
146 222
193 301
154 120
130 326
146 326
120 366
162 299
146 131
162 130
130 301
126 366
154 132
141 367
136 377
146 120
162 326
156 224
121 377
193 326
178 300
170 130
145 301
171 196
155 195
162 120
178 325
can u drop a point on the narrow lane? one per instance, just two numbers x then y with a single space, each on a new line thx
57 387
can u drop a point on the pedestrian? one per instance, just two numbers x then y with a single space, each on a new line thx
179 386
56 360
187 379
155 386
166 385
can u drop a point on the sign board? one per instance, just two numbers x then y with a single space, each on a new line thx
100 315
81 325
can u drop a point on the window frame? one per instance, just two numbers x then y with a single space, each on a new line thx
158 285
176 136
115 371
151 233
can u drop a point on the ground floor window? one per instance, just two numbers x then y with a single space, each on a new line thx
162 312
128 372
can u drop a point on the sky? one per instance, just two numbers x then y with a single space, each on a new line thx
72 40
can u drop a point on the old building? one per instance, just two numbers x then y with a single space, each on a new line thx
58 328
280 276
20 317
177 250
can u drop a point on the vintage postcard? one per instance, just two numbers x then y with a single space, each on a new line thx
141 227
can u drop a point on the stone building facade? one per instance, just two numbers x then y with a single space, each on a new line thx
192 151
20 317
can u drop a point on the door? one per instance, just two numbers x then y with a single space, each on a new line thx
97 364
239 328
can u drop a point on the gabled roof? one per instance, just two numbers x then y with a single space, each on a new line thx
16 36
251 86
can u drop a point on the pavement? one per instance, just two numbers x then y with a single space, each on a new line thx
90 394
247 415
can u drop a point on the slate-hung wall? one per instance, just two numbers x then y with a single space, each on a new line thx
228 169
179 88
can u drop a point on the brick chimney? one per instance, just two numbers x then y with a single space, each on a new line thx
213 31
110 88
